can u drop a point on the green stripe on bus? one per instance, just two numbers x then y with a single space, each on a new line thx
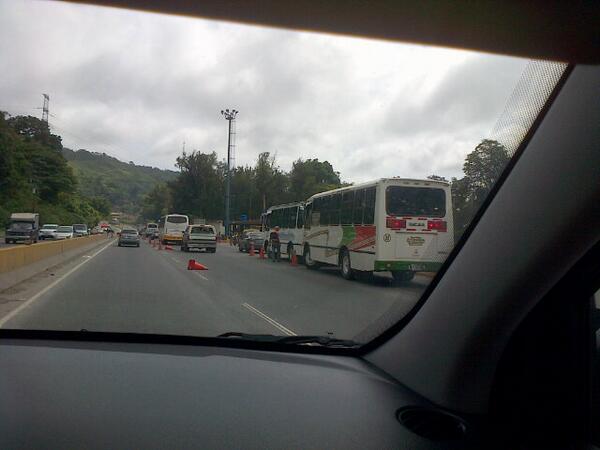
415 266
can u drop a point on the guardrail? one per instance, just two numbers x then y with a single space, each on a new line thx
13 258
21 262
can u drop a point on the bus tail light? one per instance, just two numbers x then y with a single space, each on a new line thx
395 224
437 225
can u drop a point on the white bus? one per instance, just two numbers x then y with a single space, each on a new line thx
290 220
171 228
398 225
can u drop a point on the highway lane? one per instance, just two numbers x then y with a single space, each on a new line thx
145 290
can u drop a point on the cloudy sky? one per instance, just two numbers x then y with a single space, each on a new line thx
136 85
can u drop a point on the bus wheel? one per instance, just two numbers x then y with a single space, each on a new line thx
308 261
345 265
403 276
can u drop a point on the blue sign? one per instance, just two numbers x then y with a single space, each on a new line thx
244 217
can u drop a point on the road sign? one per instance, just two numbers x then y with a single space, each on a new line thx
244 217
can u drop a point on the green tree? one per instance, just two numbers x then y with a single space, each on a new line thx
311 176
34 129
157 202
482 169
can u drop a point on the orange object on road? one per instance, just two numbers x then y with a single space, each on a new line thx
168 247
261 253
251 251
194 265
294 259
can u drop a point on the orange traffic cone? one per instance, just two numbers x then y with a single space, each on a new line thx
261 252
193 265
294 258
251 251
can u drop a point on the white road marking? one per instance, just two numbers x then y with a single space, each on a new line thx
268 319
27 303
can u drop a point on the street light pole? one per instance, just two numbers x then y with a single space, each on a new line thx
229 116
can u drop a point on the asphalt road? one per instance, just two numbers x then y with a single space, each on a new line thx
144 290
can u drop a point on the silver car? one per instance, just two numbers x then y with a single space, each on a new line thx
48 231
129 237
200 237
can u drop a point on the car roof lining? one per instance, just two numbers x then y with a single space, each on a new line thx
553 30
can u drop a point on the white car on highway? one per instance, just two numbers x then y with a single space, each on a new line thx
48 231
64 232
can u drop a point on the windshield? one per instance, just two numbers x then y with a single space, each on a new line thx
49 227
65 229
370 159
79 227
176 219
415 201
21 226
198 230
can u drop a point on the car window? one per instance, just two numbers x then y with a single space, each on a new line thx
373 158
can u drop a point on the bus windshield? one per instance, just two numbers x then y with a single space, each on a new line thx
415 201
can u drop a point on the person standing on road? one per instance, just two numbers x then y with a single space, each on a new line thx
275 244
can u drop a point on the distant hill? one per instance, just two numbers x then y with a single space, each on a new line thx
122 184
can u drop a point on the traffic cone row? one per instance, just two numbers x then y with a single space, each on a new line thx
194 265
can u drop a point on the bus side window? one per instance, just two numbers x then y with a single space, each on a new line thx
283 219
300 222
359 197
334 209
316 211
308 216
369 214
292 222
324 208
347 200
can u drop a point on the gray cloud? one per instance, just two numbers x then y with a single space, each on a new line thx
137 85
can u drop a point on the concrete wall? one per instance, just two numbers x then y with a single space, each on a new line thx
24 261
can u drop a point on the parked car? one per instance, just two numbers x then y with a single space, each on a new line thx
128 237
48 231
200 237
23 227
64 232
80 229
251 236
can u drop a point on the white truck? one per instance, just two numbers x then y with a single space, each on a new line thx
23 227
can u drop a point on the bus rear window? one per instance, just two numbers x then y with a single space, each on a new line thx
415 201
176 219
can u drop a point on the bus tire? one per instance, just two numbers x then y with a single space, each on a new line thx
403 276
346 265
308 261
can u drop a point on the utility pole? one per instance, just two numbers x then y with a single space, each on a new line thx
230 117
46 108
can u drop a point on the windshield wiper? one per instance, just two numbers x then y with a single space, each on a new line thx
324 341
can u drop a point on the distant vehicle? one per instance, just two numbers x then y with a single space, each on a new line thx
151 228
96 230
129 237
200 237
23 227
290 220
251 236
80 229
47 231
398 225
171 228
64 232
